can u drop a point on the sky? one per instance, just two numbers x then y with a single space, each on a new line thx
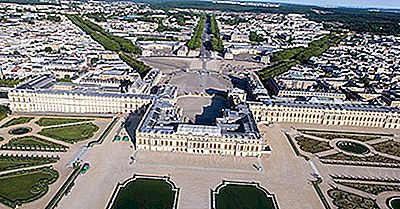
387 4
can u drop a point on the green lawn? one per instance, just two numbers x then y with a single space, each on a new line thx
59 121
32 141
389 147
71 133
372 159
1 138
26 186
145 193
344 200
243 197
374 189
329 135
16 121
312 145
11 162
4 112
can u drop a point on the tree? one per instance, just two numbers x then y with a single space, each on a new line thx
216 42
48 49
254 37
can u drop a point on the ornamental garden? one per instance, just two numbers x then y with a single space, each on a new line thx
159 192
344 153
24 176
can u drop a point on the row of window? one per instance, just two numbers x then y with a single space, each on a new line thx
198 145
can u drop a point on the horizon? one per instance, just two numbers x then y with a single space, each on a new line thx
365 4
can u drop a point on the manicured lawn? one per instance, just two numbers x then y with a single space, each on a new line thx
11 162
395 203
59 121
145 193
33 142
4 112
16 121
371 159
243 197
71 133
371 188
389 147
344 200
312 145
25 186
332 135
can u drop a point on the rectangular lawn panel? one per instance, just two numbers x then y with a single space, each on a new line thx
330 136
16 121
374 189
4 112
243 197
60 121
13 162
390 147
371 159
32 143
145 193
344 199
312 145
25 186
71 133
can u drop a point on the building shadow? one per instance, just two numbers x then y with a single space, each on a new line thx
212 111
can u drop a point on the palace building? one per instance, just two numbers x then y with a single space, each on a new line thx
164 129
271 111
44 94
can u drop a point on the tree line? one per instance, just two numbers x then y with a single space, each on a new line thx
112 43
286 59
137 65
195 40
107 40
216 42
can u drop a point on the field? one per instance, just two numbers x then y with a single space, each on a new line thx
71 133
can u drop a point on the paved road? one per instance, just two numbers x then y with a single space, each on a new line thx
205 52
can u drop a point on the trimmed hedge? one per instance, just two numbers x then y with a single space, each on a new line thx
26 186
